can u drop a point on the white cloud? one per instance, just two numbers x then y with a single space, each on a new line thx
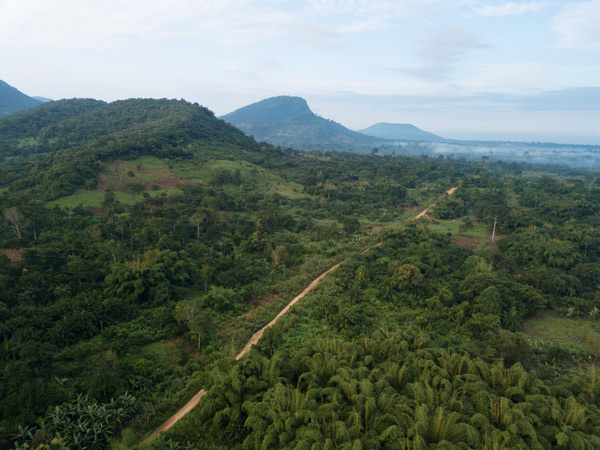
579 26
90 23
392 8
442 51
513 78
314 34
510 8
369 15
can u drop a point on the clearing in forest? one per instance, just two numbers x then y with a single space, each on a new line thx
578 334
14 254
161 176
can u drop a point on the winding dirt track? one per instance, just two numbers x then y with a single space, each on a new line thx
256 336
426 210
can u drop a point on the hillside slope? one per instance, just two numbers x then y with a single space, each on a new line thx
13 100
400 131
69 138
288 121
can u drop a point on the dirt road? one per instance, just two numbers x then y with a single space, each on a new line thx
426 210
256 336
175 418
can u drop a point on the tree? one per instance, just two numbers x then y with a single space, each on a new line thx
14 216
197 319
134 189
206 272
279 256
198 218
466 224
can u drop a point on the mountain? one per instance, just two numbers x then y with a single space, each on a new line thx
13 100
42 99
400 132
289 122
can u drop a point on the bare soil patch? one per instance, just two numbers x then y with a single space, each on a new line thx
115 176
474 243
14 254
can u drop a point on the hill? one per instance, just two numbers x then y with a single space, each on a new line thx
69 138
400 132
13 100
289 122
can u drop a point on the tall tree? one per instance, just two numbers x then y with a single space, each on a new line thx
14 216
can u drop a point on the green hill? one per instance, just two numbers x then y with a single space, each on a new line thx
400 132
68 139
289 122
13 100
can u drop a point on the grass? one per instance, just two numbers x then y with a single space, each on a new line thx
564 331
479 231
250 174
168 176
145 169
94 198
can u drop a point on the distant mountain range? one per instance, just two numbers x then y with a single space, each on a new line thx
400 132
289 122
42 99
13 100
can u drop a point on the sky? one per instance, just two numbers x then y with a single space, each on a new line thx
464 69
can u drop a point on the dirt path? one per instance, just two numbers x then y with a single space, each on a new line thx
256 337
426 210
175 418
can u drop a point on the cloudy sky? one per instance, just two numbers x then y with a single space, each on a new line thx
518 69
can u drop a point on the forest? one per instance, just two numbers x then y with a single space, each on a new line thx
143 242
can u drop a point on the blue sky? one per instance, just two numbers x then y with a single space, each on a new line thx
458 68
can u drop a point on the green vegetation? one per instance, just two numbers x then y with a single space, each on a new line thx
583 335
455 228
144 242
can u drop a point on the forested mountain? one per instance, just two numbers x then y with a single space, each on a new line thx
13 100
144 242
289 122
400 132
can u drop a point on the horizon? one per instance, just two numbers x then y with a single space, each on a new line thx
461 69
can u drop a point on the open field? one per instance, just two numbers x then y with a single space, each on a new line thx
160 176
479 230
94 198
579 334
